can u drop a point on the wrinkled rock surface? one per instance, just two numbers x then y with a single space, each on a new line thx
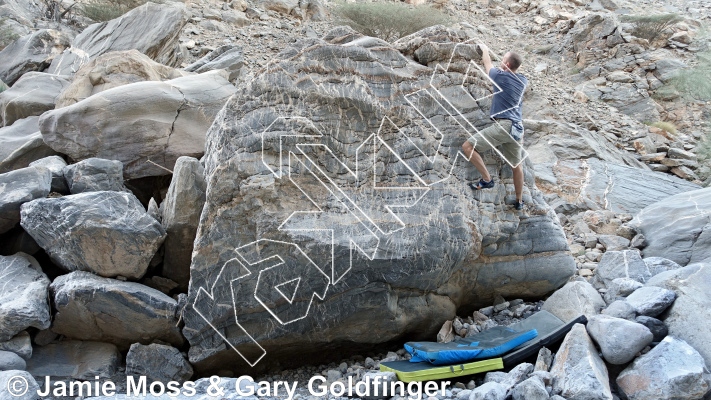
464 248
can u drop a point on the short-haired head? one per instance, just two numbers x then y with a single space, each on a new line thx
512 60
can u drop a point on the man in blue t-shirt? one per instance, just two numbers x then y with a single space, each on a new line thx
505 134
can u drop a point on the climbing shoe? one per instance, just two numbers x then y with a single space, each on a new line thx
482 184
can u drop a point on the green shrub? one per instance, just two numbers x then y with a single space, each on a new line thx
651 26
696 82
7 36
389 20
665 126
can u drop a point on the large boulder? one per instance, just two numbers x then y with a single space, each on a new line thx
74 359
689 317
287 214
153 29
145 125
181 214
18 187
107 233
671 370
578 371
89 307
113 69
21 143
23 296
32 94
678 228
34 52
573 300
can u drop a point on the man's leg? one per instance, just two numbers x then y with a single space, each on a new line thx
475 159
518 182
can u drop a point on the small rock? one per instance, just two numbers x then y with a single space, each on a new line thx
20 344
10 361
658 328
621 287
530 389
613 242
489 391
578 371
55 165
574 299
620 309
651 301
445 334
157 362
544 360
619 340
657 265
7 377
93 175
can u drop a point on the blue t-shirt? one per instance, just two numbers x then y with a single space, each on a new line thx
507 103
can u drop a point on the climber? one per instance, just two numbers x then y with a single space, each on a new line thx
505 113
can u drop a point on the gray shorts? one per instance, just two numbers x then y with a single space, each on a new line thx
497 136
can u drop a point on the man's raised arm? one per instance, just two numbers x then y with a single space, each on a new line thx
486 58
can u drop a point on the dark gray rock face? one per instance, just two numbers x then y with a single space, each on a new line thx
18 187
678 228
107 233
32 94
21 143
23 296
90 307
74 359
157 362
153 29
33 52
140 122
94 175
671 370
181 215
282 181
657 327
228 57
